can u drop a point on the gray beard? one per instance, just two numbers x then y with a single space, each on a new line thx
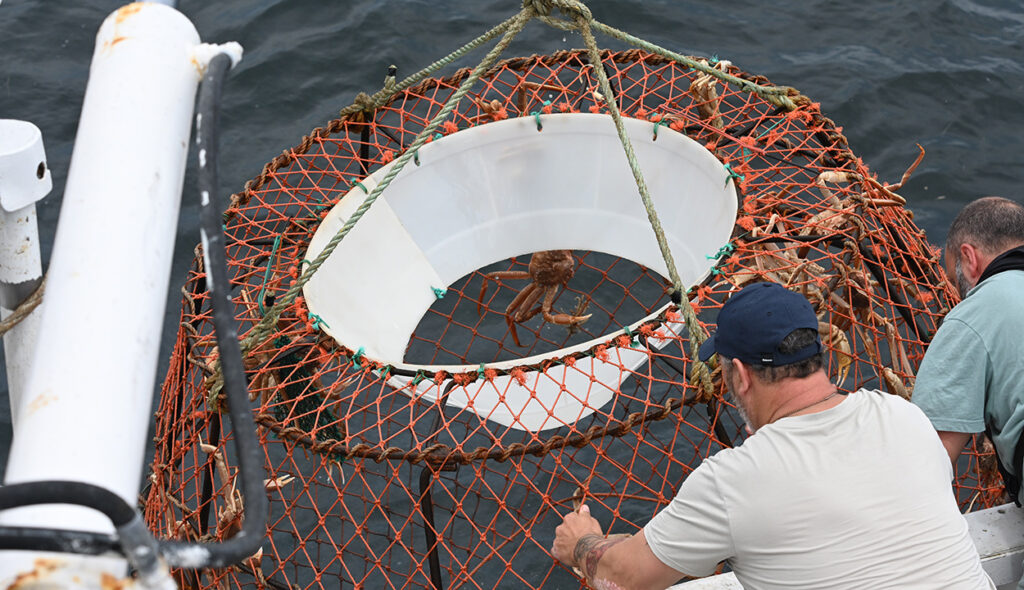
739 408
962 285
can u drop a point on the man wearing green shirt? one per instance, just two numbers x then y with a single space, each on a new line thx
972 376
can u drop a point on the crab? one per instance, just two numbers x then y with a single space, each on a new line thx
549 271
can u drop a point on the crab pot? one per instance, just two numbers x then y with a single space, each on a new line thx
420 433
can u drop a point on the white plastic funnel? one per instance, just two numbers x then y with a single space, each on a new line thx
504 189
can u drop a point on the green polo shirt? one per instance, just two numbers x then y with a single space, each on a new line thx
978 352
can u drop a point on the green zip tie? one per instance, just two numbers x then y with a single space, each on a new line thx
732 174
439 293
416 157
481 371
438 135
725 250
317 322
536 116
419 377
358 355
360 185
657 124
266 274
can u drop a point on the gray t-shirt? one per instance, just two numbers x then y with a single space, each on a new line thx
856 496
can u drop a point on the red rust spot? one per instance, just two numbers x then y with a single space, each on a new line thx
126 11
109 582
41 568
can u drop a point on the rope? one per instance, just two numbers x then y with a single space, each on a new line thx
270 319
381 97
777 95
24 309
574 9
697 336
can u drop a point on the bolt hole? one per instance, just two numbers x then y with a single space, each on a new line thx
41 170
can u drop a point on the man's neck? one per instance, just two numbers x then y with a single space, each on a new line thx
797 397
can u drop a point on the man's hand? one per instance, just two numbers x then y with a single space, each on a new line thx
574 526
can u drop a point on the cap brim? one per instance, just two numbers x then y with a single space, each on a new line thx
707 350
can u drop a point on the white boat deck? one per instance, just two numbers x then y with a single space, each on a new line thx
997 532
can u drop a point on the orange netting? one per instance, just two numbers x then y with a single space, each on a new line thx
376 486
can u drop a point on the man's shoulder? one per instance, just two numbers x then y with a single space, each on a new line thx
993 296
870 406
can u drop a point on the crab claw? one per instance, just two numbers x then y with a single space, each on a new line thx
564 319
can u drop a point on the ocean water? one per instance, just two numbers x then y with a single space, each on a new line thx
947 75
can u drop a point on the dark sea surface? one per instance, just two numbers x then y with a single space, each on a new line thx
944 74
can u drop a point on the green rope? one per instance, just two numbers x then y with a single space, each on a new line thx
627 146
270 319
266 275
696 332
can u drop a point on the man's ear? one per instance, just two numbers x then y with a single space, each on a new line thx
744 377
971 262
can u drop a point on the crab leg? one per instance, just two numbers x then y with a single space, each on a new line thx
497 276
524 301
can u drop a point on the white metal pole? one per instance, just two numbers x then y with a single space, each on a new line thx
88 398
24 179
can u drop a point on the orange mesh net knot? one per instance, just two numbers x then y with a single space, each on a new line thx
386 476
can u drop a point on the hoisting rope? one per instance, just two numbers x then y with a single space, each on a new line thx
24 308
583 21
700 372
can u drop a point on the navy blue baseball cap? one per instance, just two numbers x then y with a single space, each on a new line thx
754 322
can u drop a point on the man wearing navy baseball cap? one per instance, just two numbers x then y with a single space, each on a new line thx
773 333
828 491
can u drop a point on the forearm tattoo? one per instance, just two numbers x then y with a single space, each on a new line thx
590 549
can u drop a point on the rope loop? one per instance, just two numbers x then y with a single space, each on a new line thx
540 7
364 102
570 8
574 9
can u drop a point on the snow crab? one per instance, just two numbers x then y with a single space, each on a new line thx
549 271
